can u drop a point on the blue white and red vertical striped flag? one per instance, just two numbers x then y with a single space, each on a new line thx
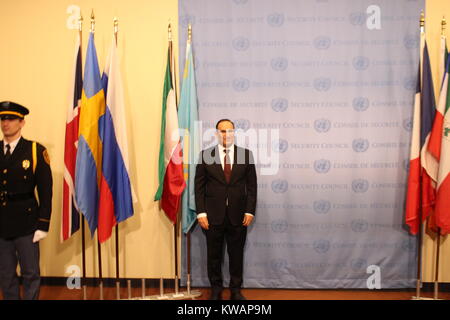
419 198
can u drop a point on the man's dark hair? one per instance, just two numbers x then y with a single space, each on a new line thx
223 120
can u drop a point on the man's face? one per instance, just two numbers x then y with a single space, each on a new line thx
225 133
11 127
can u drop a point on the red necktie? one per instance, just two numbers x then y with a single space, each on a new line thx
227 166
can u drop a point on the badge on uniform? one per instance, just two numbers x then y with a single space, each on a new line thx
46 157
26 164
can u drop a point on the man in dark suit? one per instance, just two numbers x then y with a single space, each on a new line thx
225 196
24 167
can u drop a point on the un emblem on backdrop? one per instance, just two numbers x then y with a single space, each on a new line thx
279 64
238 2
408 124
322 42
196 63
322 165
241 43
241 84
280 146
321 206
321 246
411 41
357 18
322 125
360 145
279 104
322 84
358 264
410 84
359 225
408 244
360 63
186 19
275 19
279 226
242 124
360 104
360 185
279 186
278 265
406 165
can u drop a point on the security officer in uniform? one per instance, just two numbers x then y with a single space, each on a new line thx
24 213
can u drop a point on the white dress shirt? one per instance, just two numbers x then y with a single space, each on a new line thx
12 145
222 161
222 155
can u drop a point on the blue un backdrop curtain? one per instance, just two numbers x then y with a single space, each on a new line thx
325 91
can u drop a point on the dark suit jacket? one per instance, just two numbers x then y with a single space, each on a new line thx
212 190
20 212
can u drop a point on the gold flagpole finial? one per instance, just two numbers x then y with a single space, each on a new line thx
422 22
189 33
80 22
443 26
170 31
116 28
92 21
116 25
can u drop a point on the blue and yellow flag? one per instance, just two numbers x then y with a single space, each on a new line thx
190 136
89 156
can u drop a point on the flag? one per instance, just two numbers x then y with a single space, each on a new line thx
70 221
419 199
434 145
187 120
116 201
442 207
89 156
170 166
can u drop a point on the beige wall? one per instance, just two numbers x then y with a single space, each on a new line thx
35 62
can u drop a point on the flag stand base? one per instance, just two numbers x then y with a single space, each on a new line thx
423 298
171 296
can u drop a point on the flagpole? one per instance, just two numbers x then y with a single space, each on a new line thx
83 236
443 49
172 65
438 237
175 225
420 232
116 31
436 275
188 235
99 248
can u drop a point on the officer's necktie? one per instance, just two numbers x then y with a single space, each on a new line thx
8 151
227 166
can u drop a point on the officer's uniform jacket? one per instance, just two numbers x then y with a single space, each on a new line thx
25 190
